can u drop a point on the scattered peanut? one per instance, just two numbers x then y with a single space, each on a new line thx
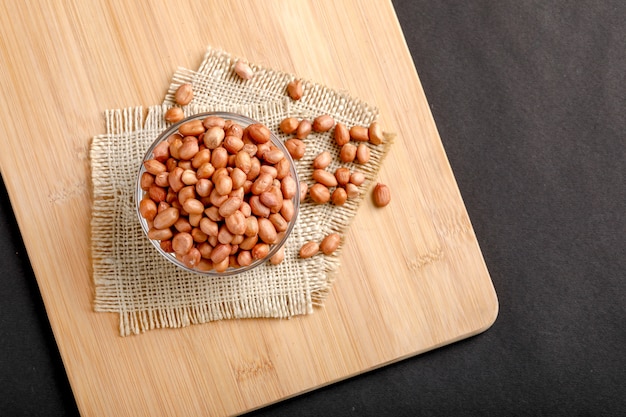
357 178
375 134
309 249
325 178
362 153
296 148
381 195
304 188
304 128
347 153
289 125
323 123
319 193
295 89
343 176
342 134
183 94
174 114
359 133
339 196
243 70
322 160
352 191
278 257
330 243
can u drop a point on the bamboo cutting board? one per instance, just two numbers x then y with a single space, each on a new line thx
412 276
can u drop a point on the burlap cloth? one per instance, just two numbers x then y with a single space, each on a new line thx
147 291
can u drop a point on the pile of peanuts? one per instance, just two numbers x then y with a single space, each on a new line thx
218 195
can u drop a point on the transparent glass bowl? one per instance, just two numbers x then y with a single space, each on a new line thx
243 121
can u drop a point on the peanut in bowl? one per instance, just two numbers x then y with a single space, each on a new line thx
218 194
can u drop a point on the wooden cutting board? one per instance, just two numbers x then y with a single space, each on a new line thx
412 275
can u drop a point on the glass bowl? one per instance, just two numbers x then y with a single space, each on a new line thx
142 193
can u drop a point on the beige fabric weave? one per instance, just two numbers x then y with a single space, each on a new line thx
148 292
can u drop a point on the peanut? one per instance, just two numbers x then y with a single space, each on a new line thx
273 156
148 209
279 222
278 257
236 223
183 94
287 210
322 160
296 148
304 188
323 123
309 249
325 178
233 144
213 137
211 121
166 218
192 258
188 177
289 187
191 128
304 129
230 206
154 167
375 134
243 70
160 234
342 134
193 206
347 153
330 243
198 235
339 196
352 191
182 243
183 225
209 227
319 193
381 195
161 152
359 133
267 231
357 178
289 125
174 114
343 176
146 181
362 153
295 89
157 193
161 179
259 133
260 250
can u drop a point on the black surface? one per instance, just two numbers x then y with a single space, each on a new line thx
530 101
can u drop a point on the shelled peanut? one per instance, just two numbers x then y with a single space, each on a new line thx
218 195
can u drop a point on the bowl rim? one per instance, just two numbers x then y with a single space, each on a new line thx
139 193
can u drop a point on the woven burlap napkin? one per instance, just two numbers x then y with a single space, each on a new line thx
147 291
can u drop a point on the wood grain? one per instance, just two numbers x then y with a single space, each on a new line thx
412 275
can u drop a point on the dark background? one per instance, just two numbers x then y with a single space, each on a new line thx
530 101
